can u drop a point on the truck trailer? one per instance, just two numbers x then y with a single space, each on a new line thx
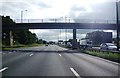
85 43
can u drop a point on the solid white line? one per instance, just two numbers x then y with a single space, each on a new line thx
74 72
60 55
31 54
3 69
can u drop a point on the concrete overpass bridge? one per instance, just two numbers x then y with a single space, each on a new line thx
62 25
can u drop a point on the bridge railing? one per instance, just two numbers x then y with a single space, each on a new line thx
64 21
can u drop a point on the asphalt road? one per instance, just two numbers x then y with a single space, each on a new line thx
63 64
44 48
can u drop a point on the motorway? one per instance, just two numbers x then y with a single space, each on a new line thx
56 62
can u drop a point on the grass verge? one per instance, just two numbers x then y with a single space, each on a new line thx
107 55
20 46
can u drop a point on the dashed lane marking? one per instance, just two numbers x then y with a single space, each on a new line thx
3 69
75 73
60 55
31 54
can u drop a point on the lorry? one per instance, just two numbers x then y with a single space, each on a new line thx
85 43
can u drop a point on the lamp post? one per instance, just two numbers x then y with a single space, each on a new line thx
65 32
22 15
65 18
66 29
117 23
69 19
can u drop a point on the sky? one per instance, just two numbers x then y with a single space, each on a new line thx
75 10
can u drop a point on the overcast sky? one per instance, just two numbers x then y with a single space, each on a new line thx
47 9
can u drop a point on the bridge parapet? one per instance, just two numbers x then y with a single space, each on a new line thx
65 21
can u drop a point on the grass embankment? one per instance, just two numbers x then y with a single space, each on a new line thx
20 46
107 55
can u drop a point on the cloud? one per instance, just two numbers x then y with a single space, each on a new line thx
75 8
14 8
43 5
99 12
53 34
80 36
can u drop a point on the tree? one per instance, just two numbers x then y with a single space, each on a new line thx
19 36
44 42
25 37
6 21
40 41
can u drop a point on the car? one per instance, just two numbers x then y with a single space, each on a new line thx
69 45
108 46
46 44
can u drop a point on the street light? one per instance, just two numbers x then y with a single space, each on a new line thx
65 18
117 23
22 15
66 29
69 19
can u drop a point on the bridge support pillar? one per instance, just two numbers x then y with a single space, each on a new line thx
10 39
74 41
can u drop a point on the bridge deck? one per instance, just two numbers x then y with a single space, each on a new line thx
62 26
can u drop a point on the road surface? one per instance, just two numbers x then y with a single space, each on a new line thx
63 64
44 48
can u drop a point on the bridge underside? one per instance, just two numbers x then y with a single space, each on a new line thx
62 26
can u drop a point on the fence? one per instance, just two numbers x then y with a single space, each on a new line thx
64 21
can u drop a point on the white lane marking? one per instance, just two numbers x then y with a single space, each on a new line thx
31 54
75 73
60 55
3 69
